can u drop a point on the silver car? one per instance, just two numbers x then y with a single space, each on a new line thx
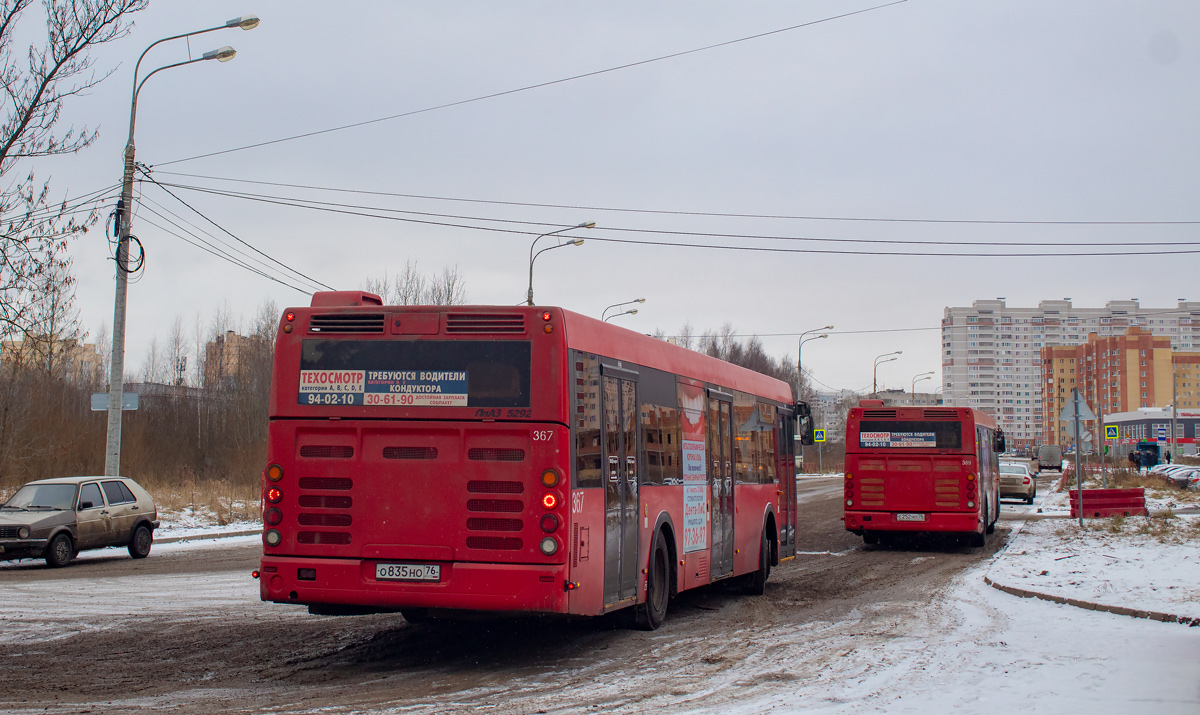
55 519
1017 481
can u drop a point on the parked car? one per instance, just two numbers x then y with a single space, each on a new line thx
1185 477
55 519
1017 481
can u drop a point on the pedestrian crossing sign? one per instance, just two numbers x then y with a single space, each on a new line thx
1111 431
818 435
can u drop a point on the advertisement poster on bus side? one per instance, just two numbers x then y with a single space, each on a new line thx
420 388
695 482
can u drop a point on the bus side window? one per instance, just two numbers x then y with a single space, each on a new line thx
587 422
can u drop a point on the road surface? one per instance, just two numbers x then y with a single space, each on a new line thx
184 630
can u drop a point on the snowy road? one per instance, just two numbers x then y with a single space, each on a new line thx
842 629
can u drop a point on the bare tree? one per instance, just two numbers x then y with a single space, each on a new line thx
36 84
447 288
412 287
176 353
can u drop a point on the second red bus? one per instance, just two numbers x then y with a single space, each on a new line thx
921 469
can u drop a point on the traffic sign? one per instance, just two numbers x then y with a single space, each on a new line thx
129 401
1111 432
1162 434
1077 407
818 435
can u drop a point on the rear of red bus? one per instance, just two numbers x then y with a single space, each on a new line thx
920 469
417 459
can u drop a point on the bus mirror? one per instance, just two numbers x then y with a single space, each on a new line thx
1000 441
804 423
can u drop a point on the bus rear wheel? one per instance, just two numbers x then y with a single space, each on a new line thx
756 583
650 615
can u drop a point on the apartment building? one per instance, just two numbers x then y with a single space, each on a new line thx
226 356
992 353
1115 374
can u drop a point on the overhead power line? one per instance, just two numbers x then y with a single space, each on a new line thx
245 243
455 222
527 88
673 212
209 243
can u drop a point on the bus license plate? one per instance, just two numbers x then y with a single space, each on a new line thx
910 517
408 572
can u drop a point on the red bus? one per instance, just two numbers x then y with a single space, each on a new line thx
925 469
433 459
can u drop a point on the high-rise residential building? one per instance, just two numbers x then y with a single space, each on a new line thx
1115 374
992 353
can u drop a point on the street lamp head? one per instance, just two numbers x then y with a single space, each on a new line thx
827 327
587 224
246 22
633 311
577 242
224 54
641 300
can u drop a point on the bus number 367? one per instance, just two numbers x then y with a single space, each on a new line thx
542 435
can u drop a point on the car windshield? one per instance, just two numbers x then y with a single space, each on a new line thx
43 496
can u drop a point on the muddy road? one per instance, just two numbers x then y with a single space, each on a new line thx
184 631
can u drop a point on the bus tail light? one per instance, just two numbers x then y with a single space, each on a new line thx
273 516
549 501
549 546
849 502
549 523
273 537
550 478
274 472
274 495
970 505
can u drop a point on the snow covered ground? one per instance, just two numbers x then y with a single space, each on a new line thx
969 649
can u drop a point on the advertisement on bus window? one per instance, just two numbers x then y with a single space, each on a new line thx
695 483
428 388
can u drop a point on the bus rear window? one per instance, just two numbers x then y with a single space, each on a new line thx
895 434
415 373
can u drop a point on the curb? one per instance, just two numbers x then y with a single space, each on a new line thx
203 537
1089 606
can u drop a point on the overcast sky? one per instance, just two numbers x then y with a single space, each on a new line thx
1014 111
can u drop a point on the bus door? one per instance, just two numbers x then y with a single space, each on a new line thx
786 449
720 481
620 485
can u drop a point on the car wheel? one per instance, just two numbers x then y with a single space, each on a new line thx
650 615
60 551
139 545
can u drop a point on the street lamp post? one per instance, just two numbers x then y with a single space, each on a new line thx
875 372
116 374
631 311
800 349
618 305
533 256
915 380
